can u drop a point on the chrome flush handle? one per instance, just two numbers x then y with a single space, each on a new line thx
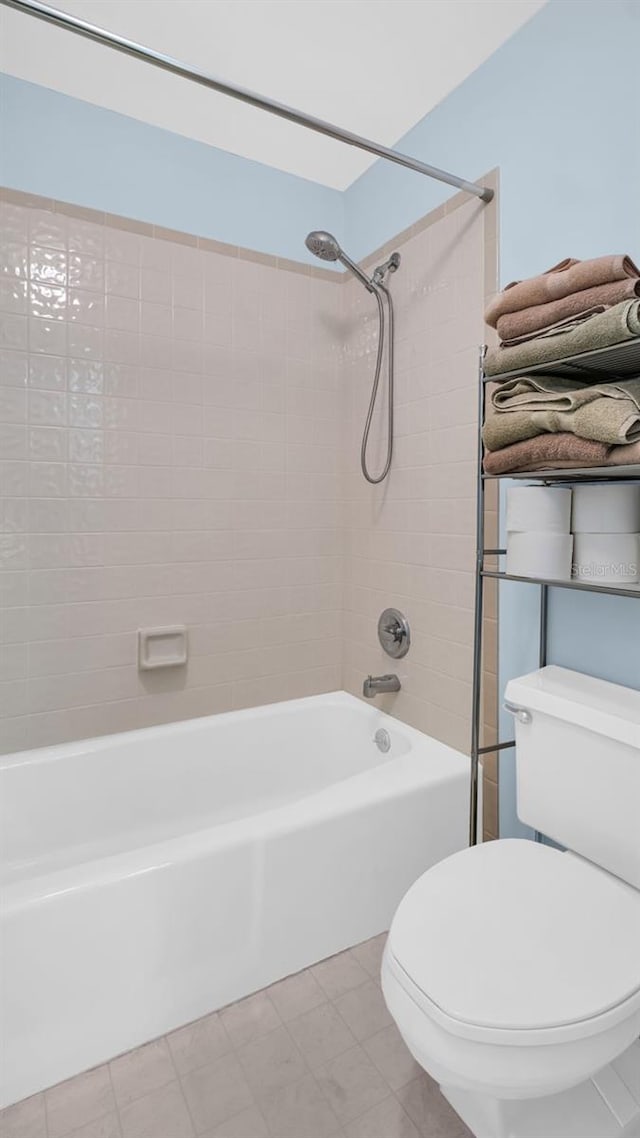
519 713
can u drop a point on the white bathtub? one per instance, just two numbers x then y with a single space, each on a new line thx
154 876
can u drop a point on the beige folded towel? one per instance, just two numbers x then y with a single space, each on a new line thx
613 326
548 452
535 393
561 280
516 326
614 421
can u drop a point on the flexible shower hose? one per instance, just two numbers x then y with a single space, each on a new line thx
374 390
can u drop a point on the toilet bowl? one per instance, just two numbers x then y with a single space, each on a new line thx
513 970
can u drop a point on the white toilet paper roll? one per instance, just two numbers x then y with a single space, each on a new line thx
539 509
609 508
607 558
546 555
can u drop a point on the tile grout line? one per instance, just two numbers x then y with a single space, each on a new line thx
115 1100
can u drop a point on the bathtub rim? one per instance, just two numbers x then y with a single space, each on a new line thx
392 778
97 743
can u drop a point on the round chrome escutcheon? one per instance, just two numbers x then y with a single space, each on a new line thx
393 633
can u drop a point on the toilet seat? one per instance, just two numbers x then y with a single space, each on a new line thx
515 942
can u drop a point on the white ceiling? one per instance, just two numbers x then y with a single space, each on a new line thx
375 67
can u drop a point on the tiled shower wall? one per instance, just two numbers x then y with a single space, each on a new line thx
170 416
180 432
410 542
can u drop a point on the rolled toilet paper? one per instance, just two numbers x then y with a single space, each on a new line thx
546 555
608 508
539 509
607 558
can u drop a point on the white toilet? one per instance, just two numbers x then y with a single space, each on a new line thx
512 969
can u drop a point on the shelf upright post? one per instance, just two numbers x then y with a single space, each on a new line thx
476 697
544 625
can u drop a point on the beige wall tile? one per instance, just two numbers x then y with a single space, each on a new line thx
192 427
412 543
490 766
149 450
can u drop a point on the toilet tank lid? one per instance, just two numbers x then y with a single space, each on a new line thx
607 709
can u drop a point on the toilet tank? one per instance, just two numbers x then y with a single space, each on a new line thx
578 765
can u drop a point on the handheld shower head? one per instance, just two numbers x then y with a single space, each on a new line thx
325 246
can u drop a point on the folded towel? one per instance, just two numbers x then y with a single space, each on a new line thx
548 452
625 455
566 325
561 280
616 324
536 393
615 421
559 452
517 326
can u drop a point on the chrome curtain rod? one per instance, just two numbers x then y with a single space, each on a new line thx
167 63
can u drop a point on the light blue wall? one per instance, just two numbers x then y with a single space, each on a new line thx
554 108
71 150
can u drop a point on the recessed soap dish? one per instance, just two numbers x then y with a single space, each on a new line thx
162 647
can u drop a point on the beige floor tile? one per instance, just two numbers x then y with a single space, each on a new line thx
84 1099
162 1114
369 954
430 1111
321 1034
107 1127
216 1093
24 1120
339 974
354 1050
392 1058
248 1124
272 1061
296 995
364 1010
139 1072
388 1120
299 1110
351 1084
249 1019
199 1043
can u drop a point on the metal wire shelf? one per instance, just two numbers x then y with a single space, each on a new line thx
617 361
628 473
583 586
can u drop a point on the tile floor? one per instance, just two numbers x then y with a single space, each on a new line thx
313 1056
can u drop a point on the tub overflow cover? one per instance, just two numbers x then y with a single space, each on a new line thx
382 740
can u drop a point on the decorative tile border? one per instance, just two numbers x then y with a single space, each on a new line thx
146 229
461 198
